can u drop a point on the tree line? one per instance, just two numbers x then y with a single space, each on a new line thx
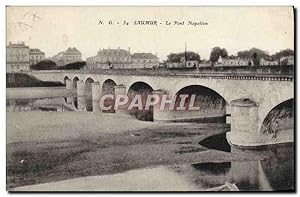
254 53
188 55
50 65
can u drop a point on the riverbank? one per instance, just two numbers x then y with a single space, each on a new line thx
47 146
38 92
14 80
148 179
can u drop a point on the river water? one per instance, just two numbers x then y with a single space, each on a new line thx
273 172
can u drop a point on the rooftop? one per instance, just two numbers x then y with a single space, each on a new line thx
72 50
17 45
35 51
113 51
144 56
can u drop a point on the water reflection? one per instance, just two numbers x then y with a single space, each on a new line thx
70 103
89 104
45 104
213 168
273 172
81 103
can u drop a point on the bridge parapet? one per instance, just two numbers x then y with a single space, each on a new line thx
270 73
263 69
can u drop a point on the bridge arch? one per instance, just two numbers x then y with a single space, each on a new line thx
196 89
75 99
75 79
220 88
278 124
211 105
139 86
143 89
143 81
108 87
88 93
65 79
88 83
90 77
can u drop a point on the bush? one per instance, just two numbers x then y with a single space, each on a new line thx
72 66
44 65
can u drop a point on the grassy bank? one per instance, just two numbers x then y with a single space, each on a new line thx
24 80
38 92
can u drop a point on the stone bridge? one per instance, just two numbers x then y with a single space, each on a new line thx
248 97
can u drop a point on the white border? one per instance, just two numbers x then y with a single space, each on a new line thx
118 2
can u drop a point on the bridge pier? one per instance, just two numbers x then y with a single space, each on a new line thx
96 95
120 90
80 88
69 87
81 96
70 100
161 114
69 84
244 123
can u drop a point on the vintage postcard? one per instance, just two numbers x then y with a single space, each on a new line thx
151 99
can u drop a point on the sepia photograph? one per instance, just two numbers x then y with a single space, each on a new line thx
150 98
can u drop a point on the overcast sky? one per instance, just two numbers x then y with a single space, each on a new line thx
234 28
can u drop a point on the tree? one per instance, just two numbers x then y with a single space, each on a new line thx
284 62
44 65
250 53
216 52
255 59
72 66
173 57
189 55
283 53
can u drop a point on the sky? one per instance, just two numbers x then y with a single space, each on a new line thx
54 29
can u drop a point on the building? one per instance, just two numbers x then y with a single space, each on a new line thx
35 56
91 63
71 55
268 62
234 61
174 64
17 57
192 63
186 59
144 60
287 60
183 63
204 63
121 59
58 58
109 59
